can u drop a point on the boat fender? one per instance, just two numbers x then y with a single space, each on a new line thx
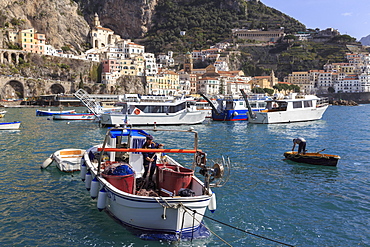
235 113
94 188
137 111
212 203
88 178
46 163
83 169
102 199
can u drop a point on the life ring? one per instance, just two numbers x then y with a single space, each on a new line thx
137 111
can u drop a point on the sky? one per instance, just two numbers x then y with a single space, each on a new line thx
350 17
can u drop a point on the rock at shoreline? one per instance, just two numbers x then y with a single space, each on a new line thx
344 102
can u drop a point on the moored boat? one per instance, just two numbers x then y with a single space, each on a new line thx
154 112
173 204
2 113
313 158
230 108
67 160
50 112
293 109
74 116
10 125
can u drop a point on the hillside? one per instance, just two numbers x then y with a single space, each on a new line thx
208 22
157 25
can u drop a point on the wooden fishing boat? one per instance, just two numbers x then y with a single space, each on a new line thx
50 112
10 125
313 158
74 116
113 173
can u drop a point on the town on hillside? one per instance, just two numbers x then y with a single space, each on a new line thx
122 57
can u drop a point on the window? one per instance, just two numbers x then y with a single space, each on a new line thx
297 104
307 103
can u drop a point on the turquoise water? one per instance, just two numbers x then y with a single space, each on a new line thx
297 204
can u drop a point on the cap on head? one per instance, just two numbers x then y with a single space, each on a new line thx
294 140
149 137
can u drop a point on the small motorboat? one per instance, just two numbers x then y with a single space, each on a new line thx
2 114
74 116
67 160
10 125
313 158
51 113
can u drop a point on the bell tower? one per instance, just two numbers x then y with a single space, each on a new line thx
188 63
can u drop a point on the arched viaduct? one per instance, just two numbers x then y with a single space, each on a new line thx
17 87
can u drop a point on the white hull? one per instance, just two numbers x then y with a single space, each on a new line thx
74 117
10 126
68 160
184 117
2 114
157 214
294 115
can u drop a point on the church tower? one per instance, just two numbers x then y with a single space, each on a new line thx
188 64
96 20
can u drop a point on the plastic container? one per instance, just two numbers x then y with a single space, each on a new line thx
171 178
121 176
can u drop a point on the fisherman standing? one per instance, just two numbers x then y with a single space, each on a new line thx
301 145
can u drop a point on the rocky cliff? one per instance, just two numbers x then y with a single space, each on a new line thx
67 22
61 20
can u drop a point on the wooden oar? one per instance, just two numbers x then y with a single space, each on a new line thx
151 150
320 151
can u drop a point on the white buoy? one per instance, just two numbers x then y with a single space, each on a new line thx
83 168
94 188
212 203
46 163
102 199
88 179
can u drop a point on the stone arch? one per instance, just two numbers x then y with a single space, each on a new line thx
7 57
57 89
13 90
22 56
14 58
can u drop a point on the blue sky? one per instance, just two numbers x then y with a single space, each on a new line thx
350 17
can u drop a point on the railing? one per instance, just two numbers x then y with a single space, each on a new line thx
90 103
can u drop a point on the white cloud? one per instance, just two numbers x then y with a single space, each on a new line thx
347 14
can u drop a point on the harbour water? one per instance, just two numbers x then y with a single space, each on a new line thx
296 204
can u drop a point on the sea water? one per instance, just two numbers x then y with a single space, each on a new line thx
296 204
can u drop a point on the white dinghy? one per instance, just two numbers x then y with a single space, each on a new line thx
67 160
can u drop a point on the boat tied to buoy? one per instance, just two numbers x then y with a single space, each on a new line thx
172 204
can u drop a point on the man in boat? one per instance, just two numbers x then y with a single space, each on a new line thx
150 159
301 145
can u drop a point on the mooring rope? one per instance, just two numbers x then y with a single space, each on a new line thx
256 235
194 212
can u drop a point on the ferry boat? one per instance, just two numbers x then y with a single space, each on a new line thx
171 205
290 109
154 112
